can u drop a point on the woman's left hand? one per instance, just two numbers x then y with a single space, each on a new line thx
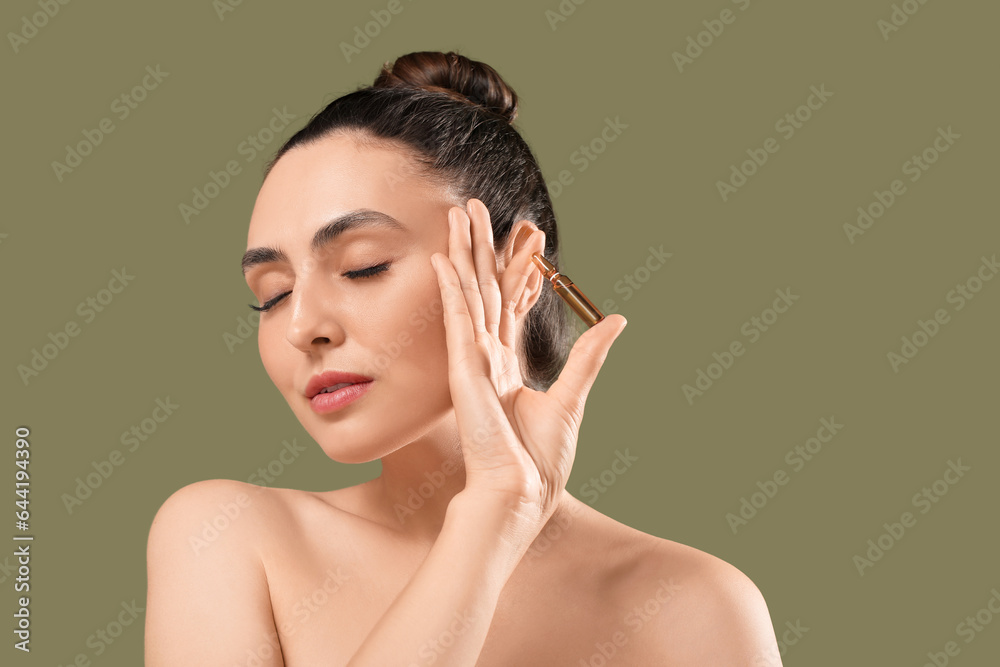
518 443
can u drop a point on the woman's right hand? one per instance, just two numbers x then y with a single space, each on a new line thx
518 443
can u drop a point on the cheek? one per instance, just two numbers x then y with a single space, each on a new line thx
277 356
400 339
409 335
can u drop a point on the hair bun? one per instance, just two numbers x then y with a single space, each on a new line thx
452 73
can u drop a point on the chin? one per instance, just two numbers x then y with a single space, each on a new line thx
343 442
368 438
351 454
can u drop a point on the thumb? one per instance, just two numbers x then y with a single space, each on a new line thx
585 359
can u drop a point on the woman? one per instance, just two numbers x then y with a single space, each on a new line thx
403 319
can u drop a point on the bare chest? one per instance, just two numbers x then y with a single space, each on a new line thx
327 594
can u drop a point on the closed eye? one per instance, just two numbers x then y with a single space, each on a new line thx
365 273
351 275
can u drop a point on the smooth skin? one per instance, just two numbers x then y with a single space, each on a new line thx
499 565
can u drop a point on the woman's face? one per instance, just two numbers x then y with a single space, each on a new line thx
387 326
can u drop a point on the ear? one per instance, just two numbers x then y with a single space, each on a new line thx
522 243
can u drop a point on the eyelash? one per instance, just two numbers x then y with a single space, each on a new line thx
352 275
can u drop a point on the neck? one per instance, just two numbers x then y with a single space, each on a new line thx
419 480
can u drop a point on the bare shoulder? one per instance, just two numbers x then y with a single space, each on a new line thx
685 606
209 510
207 597
719 614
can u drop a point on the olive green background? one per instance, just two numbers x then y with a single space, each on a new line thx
654 185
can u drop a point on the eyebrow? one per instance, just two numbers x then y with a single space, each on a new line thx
358 219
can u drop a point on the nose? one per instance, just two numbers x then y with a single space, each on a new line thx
314 320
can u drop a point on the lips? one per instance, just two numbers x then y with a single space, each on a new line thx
331 378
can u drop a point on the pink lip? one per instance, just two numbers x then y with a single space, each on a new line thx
334 400
330 378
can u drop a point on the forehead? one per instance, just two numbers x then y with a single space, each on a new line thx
316 182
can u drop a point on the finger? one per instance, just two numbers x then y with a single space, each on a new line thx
481 416
512 283
585 360
486 264
459 334
460 254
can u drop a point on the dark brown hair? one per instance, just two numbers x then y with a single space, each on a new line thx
453 116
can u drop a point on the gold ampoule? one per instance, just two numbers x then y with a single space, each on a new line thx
569 292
